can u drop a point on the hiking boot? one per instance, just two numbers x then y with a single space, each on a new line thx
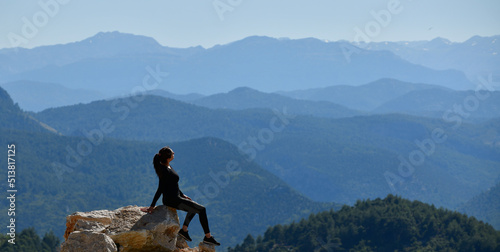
210 241
185 235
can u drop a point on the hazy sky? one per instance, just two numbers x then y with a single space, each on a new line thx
185 23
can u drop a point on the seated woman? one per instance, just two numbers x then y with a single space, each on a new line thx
173 197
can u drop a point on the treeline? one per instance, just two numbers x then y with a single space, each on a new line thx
29 241
390 224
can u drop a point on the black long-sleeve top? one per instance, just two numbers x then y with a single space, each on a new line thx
168 185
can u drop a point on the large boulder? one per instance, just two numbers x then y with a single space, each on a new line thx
202 247
83 241
128 228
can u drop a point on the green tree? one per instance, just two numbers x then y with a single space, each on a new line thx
390 224
29 241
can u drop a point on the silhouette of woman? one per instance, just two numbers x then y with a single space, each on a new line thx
173 197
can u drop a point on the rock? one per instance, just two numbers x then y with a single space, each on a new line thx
97 218
86 225
152 232
83 241
202 247
128 228
181 243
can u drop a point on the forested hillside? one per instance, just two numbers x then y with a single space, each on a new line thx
390 224
485 206
14 118
333 160
58 175
119 173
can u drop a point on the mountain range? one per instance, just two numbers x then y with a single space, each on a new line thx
438 103
247 98
327 159
384 96
117 63
114 64
477 56
366 97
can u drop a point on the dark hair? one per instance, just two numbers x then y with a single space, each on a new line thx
161 157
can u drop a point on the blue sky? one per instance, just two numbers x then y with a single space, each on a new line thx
184 23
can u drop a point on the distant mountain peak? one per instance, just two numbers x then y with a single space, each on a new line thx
261 40
440 41
119 37
258 38
110 34
243 90
484 41
251 40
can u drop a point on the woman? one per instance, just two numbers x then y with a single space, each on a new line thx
173 197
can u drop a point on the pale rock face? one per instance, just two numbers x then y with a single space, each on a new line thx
83 241
202 247
94 220
126 229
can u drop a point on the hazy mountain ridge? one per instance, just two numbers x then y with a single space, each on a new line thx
115 64
346 158
246 98
476 56
180 97
387 96
101 45
436 103
485 206
38 96
364 97
262 63
14 118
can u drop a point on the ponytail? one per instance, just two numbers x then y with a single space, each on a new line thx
161 157
157 165
156 159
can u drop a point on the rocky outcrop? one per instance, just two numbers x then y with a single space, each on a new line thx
89 241
126 229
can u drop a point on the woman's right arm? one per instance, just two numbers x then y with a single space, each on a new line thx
157 195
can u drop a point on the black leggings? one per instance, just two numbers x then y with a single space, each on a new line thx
191 208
